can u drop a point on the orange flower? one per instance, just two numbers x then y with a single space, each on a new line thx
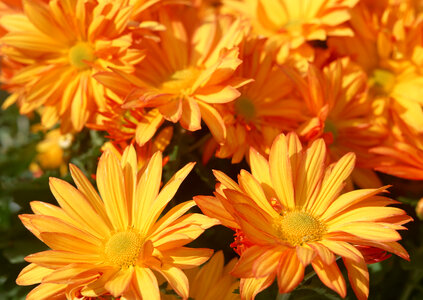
50 152
341 112
212 281
290 209
184 74
290 24
387 46
110 243
144 153
401 154
59 46
265 107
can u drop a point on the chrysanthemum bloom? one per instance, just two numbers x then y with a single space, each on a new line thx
111 243
401 154
60 45
184 74
159 143
212 281
387 45
290 24
51 152
341 112
265 107
292 213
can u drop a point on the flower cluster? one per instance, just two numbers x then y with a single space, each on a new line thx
317 96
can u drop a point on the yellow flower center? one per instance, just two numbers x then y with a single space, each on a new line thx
245 108
383 81
298 227
79 54
123 248
180 81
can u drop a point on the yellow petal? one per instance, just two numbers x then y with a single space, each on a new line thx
165 195
191 115
359 277
280 172
66 242
147 190
250 287
370 231
47 291
86 188
330 276
32 274
148 127
214 121
253 189
290 272
119 283
76 205
177 280
186 258
218 94
146 284
333 183
260 170
112 190
346 200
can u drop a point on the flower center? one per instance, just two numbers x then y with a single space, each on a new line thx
383 81
297 227
244 107
330 128
180 81
79 54
123 248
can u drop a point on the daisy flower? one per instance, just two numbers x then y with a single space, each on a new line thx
212 281
265 107
387 46
59 46
290 24
341 112
401 154
110 243
291 213
184 74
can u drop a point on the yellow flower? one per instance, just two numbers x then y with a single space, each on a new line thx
387 46
292 214
184 74
290 24
110 243
401 154
265 107
59 46
212 281
341 112
50 151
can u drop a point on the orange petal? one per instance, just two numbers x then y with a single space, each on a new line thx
119 283
145 284
359 277
290 271
112 190
280 172
32 274
147 190
330 276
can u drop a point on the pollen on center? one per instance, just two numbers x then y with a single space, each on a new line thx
298 227
123 248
